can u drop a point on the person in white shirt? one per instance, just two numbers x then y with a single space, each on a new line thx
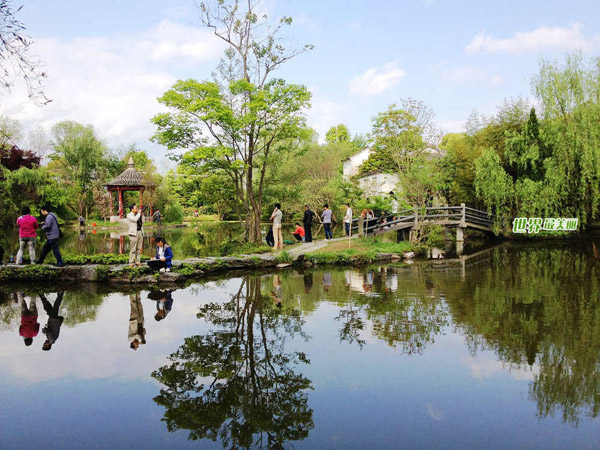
135 220
276 218
348 219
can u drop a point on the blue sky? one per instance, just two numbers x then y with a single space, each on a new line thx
108 61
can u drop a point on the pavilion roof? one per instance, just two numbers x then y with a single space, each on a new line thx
129 177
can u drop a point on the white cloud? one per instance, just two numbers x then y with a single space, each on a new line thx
485 367
376 80
452 126
112 82
497 80
542 38
467 74
324 114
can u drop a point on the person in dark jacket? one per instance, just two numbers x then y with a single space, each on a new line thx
50 226
163 260
164 303
307 222
52 327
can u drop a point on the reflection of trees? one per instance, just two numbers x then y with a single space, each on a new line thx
236 383
540 306
408 320
78 306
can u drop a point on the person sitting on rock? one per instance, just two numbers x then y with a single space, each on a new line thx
163 258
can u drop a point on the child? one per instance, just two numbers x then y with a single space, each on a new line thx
299 233
163 258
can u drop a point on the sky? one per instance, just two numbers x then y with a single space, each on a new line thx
108 61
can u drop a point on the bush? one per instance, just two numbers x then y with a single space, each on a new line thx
236 247
174 212
101 258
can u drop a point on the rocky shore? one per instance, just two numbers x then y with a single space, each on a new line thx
183 270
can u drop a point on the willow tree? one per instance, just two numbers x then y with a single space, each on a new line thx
236 123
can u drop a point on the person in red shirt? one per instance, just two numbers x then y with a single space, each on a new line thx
29 324
299 233
27 234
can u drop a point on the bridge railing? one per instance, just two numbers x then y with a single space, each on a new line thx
457 214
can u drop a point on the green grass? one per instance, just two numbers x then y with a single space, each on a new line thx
235 247
341 257
368 245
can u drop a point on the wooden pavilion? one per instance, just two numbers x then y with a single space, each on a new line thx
129 180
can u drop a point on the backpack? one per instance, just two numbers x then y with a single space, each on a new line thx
60 233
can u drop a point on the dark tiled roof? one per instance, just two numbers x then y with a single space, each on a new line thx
129 177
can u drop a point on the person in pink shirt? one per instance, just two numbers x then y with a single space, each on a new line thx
29 319
27 234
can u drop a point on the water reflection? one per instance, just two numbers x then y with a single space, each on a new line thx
238 384
245 361
164 302
137 332
52 327
30 326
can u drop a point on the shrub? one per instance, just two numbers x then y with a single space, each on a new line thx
174 212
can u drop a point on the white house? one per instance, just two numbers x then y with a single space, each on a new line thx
374 183
352 164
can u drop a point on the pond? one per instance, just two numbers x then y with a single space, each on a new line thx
203 239
502 352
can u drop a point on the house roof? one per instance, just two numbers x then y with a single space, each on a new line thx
129 177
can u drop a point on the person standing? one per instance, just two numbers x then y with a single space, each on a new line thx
157 217
52 328
327 217
81 220
50 226
135 220
348 219
307 222
276 218
27 234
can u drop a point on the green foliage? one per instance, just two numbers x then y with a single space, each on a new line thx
493 185
174 212
79 159
284 257
397 138
237 247
342 257
100 258
186 270
337 134
103 273
29 273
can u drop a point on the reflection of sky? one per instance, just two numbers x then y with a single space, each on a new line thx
92 391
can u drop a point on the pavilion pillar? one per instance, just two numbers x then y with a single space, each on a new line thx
120 203
141 193
110 196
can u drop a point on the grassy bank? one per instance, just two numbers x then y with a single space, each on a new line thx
361 251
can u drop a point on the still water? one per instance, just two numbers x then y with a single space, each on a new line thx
503 352
203 239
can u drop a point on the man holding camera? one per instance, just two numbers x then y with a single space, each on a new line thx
135 221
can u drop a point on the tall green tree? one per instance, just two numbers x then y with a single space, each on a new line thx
79 159
237 122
